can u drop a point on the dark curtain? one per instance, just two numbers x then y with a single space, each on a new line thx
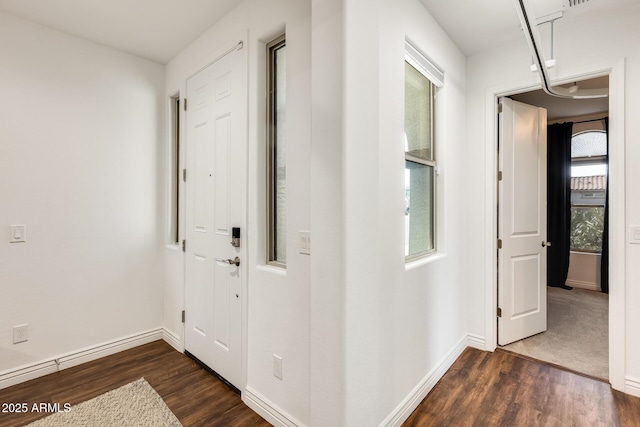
604 261
558 203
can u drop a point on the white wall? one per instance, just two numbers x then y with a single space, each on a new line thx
400 321
327 282
358 330
590 43
80 165
422 305
584 270
278 300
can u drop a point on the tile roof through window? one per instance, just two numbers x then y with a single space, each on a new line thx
598 182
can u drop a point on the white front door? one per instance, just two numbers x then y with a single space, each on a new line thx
522 221
215 204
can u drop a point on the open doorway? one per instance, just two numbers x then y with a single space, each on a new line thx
578 309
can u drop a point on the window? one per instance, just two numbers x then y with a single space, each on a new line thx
587 223
174 206
420 159
276 141
588 190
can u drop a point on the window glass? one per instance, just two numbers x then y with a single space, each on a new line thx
277 168
418 208
588 190
587 224
174 212
417 116
420 165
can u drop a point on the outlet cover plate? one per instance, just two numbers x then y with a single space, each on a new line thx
277 366
18 233
20 333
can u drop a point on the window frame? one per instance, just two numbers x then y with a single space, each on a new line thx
271 253
435 76
174 167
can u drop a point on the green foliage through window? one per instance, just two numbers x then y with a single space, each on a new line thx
587 223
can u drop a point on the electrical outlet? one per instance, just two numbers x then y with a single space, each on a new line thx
277 366
20 333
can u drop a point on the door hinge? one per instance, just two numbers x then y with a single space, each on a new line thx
499 313
499 175
184 246
499 106
499 243
184 175
185 104
182 316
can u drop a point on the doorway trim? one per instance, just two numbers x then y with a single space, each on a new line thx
617 224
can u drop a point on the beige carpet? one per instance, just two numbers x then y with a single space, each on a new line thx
135 404
577 335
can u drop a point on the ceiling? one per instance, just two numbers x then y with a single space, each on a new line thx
154 29
477 25
159 29
563 108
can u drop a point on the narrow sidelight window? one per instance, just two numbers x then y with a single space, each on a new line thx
174 204
276 155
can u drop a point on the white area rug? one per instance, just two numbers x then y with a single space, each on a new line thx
135 404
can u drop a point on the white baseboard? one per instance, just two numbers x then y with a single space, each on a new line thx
411 402
632 386
583 285
68 360
27 372
106 349
172 339
268 411
476 341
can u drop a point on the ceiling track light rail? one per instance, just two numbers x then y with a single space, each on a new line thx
527 20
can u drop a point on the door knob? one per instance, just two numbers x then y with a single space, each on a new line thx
546 244
235 261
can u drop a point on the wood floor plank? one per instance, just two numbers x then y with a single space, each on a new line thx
480 389
502 389
195 397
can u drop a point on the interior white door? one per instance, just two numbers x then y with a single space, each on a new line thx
522 221
215 203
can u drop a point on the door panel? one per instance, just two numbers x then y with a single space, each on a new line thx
522 221
221 194
216 202
526 299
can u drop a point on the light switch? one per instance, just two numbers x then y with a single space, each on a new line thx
634 234
18 233
305 242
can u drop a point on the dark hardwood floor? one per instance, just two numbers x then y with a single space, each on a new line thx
195 397
480 389
503 389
